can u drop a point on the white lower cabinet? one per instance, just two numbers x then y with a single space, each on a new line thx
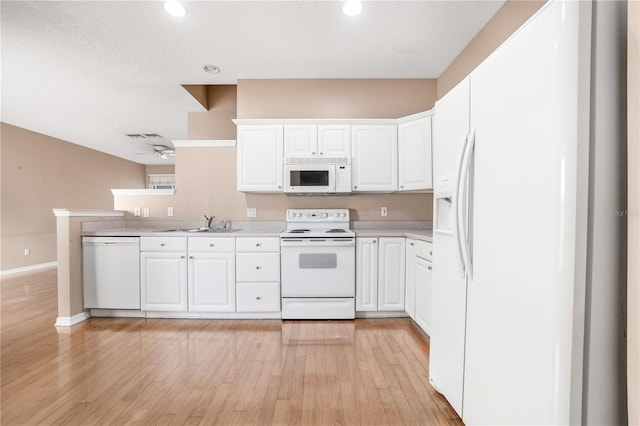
163 274
410 278
258 274
423 284
212 275
380 269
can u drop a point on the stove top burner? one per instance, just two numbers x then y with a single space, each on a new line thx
299 231
336 231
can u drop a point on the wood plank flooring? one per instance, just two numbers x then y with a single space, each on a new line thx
210 372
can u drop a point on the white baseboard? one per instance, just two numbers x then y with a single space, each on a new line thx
381 314
29 268
69 321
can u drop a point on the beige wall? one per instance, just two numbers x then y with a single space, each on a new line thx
40 173
633 243
509 18
346 98
206 177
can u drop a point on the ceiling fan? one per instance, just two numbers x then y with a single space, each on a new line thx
162 151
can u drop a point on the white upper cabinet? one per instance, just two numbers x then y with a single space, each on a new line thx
300 140
374 151
317 141
334 140
260 158
414 155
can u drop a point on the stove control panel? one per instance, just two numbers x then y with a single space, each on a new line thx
317 215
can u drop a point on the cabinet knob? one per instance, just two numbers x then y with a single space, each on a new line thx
429 267
431 253
258 267
374 241
313 153
190 257
258 244
355 187
279 187
182 257
412 244
258 298
161 244
321 153
401 186
212 245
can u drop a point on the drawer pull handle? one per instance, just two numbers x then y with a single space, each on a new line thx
258 267
258 298
161 244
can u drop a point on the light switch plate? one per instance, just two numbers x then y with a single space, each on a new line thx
252 212
383 211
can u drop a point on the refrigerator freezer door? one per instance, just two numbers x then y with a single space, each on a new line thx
525 111
446 364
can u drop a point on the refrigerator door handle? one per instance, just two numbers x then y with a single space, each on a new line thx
458 208
462 208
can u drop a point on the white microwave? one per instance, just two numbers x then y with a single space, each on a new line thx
317 178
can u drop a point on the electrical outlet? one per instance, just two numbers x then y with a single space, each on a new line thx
136 211
145 212
252 212
169 211
383 211
27 252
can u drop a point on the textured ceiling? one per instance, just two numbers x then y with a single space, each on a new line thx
89 72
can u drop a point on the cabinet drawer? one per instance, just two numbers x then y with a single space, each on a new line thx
212 244
175 244
252 267
258 244
258 297
424 249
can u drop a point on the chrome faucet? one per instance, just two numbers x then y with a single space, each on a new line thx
209 220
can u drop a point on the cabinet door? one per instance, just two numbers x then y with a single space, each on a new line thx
366 274
260 158
374 151
391 264
163 283
423 280
410 278
212 282
414 155
300 140
334 140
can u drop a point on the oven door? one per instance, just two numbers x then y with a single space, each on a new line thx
318 267
307 178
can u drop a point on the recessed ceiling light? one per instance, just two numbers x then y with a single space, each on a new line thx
174 8
352 7
211 69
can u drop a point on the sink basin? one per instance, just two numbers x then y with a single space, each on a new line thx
214 231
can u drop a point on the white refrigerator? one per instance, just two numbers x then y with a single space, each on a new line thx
526 155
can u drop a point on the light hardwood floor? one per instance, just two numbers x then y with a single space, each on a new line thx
231 372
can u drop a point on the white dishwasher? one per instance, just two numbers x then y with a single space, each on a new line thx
111 272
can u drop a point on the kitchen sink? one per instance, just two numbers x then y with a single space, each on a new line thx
214 231
203 230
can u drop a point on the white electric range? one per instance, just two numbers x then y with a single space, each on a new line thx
318 265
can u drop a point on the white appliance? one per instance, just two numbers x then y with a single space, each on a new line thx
317 253
316 176
111 272
521 234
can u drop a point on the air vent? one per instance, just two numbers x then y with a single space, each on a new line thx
144 135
